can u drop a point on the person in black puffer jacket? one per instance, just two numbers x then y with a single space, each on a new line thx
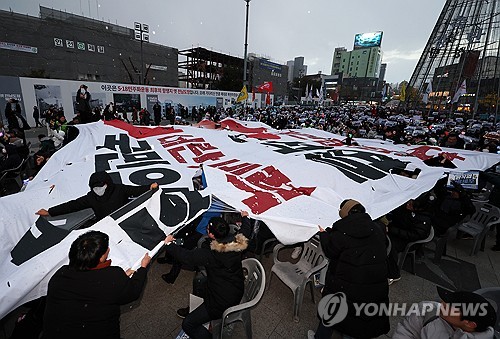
409 222
84 297
104 197
225 280
355 247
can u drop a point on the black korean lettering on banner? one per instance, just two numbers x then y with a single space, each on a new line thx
143 163
143 156
123 143
102 161
174 209
30 246
166 176
143 229
371 167
292 147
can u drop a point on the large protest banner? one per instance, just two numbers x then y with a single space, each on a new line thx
293 180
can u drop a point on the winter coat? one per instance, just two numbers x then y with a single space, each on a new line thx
427 325
450 211
11 159
225 280
15 120
86 304
355 247
83 102
116 196
409 226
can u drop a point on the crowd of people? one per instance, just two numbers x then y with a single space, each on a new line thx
84 297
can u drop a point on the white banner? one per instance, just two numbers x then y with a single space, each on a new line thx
293 180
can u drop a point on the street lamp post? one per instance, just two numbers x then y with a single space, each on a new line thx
141 32
246 45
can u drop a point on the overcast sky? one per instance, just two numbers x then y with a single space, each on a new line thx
278 29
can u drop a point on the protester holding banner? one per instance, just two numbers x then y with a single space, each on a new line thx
104 197
225 280
355 248
84 297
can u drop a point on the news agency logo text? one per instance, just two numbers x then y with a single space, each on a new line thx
333 309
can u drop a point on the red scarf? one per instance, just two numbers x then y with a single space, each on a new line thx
101 265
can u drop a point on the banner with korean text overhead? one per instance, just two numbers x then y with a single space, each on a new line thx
293 180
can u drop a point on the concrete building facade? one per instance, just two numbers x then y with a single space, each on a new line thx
361 63
262 69
67 46
337 59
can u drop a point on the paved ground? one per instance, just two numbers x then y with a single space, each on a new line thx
153 316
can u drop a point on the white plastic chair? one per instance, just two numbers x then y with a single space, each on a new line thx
255 284
297 276
410 250
479 224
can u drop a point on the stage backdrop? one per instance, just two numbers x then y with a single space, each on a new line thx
293 180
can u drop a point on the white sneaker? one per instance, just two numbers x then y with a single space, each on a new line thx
310 334
296 252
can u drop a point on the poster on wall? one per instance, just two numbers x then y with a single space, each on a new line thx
127 102
151 100
10 89
48 96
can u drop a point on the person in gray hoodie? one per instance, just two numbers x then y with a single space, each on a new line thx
461 315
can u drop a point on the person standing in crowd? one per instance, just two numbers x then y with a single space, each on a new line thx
36 117
135 116
109 112
9 156
157 113
453 141
104 197
84 297
225 280
83 104
15 120
356 250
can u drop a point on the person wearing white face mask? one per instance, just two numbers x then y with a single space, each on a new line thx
104 197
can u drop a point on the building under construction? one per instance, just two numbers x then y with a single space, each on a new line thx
204 68
459 69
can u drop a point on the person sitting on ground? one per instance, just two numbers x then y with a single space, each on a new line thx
104 197
356 250
84 297
225 280
464 315
408 223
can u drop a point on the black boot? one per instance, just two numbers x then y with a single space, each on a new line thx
173 274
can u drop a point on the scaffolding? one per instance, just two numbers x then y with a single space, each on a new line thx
204 68
464 46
